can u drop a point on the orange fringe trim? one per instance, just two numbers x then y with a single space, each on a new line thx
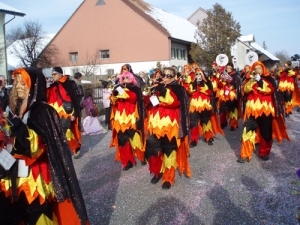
247 150
215 124
169 175
279 129
207 135
233 122
66 214
183 153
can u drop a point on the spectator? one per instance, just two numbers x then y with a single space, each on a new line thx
63 96
106 102
4 93
77 78
91 124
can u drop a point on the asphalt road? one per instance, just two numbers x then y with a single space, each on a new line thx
220 191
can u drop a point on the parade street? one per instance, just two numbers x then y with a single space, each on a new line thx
220 191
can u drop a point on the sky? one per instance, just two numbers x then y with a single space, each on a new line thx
275 22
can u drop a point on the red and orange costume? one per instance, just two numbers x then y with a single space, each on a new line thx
49 193
288 89
203 110
59 93
187 76
262 113
167 146
127 122
229 98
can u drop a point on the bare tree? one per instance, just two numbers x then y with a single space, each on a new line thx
264 45
283 56
27 42
215 35
90 62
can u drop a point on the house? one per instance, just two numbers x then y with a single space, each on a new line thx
197 16
247 43
103 35
5 10
243 45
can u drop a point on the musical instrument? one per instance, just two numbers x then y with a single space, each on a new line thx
253 74
149 89
222 59
184 77
225 77
251 57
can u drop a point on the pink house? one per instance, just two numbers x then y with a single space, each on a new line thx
105 34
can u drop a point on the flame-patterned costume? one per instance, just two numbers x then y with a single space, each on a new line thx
262 112
187 76
59 93
203 110
288 89
229 98
127 122
50 193
167 146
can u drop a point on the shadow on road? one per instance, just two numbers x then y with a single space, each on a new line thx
168 210
227 211
99 181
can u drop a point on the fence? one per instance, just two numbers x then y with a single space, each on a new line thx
97 95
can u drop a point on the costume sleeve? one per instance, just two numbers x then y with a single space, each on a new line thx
170 100
266 88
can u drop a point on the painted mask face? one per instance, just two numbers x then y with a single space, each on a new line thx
258 69
21 88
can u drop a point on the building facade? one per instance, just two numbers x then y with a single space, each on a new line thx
101 37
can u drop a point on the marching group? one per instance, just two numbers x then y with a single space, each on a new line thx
158 124
154 121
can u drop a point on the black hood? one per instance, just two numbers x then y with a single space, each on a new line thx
38 86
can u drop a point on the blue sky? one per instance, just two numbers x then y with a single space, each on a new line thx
274 21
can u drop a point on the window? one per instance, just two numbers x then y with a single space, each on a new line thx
183 54
73 56
104 54
173 53
74 71
179 53
110 71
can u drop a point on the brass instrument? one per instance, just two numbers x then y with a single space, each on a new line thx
149 89
253 74
111 86
184 77
110 77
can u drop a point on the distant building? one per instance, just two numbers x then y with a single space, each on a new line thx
5 10
107 34
243 45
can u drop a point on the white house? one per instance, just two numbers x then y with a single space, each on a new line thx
5 10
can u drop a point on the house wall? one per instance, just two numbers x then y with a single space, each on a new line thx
114 27
199 15
3 69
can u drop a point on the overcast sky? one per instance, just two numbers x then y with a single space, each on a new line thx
274 21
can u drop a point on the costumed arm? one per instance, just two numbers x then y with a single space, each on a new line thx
169 100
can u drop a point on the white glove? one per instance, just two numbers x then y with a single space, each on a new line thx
257 77
145 93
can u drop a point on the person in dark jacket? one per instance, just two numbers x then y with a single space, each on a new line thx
63 96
